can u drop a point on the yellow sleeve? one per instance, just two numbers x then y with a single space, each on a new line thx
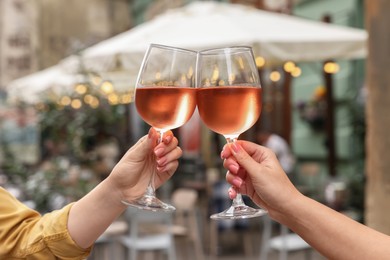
24 233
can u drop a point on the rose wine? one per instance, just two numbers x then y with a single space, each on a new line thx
165 107
229 110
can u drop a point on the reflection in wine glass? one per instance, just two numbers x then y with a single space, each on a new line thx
165 98
229 103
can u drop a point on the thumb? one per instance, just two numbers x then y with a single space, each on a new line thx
143 147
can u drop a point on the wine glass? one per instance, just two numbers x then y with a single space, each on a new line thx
165 98
229 103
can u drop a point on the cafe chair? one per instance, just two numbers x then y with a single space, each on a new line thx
284 243
148 232
106 245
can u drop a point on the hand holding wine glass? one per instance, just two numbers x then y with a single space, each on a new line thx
229 103
165 98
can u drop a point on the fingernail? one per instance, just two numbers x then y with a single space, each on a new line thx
168 139
234 168
237 182
235 147
159 151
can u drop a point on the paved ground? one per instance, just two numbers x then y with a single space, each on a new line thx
224 241
232 244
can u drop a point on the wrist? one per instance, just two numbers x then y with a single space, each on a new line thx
289 209
114 194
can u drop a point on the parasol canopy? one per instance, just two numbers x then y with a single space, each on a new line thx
202 25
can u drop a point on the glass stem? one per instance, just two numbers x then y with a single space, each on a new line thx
151 190
237 201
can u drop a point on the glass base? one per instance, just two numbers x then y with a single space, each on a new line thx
148 202
239 212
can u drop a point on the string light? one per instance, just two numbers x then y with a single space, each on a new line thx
81 89
76 103
183 80
190 72
232 78
296 72
215 75
289 66
241 63
65 101
260 61
125 98
275 76
107 87
94 102
113 99
331 67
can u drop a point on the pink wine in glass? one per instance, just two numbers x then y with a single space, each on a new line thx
165 98
165 107
229 110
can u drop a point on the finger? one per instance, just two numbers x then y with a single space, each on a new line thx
164 148
167 137
226 152
169 157
168 169
232 193
165 173
173 143
154 136
242 156
231 165
234 180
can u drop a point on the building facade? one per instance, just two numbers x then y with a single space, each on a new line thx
36 34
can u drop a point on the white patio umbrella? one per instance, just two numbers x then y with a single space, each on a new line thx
60 80
201 25
33 88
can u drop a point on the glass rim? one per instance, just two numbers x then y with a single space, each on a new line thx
162 46
236 49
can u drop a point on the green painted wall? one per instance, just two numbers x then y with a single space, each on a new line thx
309 145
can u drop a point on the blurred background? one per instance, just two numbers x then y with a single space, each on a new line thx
66 111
